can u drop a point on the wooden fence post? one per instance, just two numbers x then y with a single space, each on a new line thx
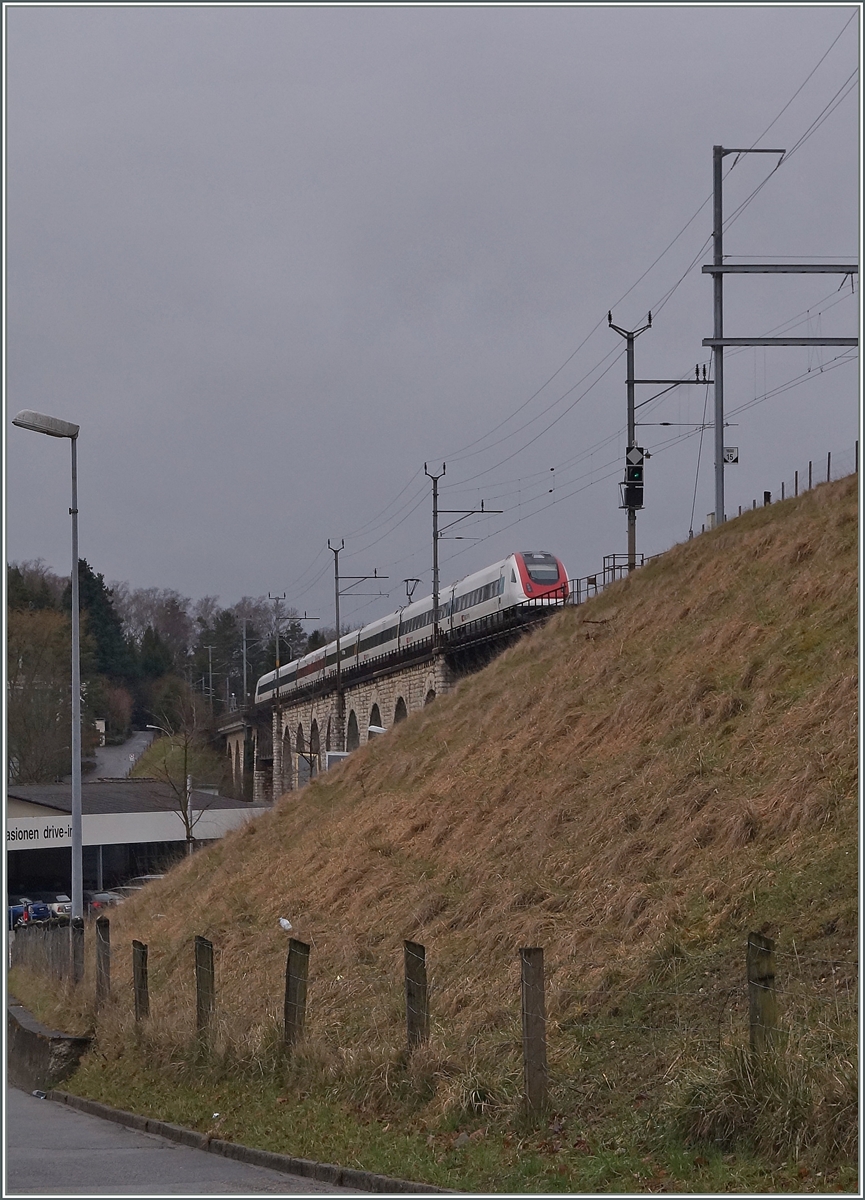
54 949
762 1001
416 994
103 960
62 937
76 933
139 980
296 977
204 984
18 951
534 1028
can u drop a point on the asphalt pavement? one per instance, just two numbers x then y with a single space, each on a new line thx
115 762
54 1150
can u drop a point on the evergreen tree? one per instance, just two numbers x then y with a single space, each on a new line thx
155 657
27 589
112 654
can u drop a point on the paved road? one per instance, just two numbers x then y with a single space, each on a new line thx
115 762
52 1150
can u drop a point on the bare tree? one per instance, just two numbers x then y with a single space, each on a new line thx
182 754
38 699
161 609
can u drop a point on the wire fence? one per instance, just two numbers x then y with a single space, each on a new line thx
678 1006
835 464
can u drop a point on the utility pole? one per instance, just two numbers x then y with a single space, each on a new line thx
245 688
718 325
210 674
278 780
461 514
718 269
633 487
340 706
278 764
435 564
340 701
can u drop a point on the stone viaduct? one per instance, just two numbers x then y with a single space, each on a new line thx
278 747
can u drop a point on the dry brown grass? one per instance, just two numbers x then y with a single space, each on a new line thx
638 775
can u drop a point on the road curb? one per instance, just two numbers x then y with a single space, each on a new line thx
306 1168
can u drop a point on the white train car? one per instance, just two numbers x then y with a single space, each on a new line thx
519 579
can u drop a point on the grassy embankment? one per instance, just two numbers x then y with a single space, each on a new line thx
635 787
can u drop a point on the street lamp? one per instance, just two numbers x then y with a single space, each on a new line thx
54 427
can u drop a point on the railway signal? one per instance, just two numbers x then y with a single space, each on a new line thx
632 488
632 498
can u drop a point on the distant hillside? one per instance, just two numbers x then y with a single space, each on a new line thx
633 787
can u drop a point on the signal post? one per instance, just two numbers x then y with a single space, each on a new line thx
635 456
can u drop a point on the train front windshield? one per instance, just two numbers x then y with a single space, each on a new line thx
542 568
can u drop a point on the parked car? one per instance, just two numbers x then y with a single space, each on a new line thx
58 902
98 902
61 906
24 911
127 890
135 885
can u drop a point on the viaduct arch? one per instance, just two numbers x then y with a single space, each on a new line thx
385 700
275 749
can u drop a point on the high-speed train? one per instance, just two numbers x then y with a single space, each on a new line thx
517 580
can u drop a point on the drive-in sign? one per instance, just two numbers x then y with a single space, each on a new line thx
106 829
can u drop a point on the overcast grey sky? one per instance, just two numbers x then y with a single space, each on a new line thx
272 259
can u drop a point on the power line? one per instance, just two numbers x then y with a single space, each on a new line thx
372 520
614 464
419 499
469 450
807 77
543 411
660 304
827 111
812 128
661 447
831 365
555 421
462 453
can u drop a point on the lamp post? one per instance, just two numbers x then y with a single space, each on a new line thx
40 423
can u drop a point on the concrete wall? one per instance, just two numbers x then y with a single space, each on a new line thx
38 1057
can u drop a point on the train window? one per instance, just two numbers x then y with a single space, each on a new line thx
544 574
378 639
415 623
513 576
541 566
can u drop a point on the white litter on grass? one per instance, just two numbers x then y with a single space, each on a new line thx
285 924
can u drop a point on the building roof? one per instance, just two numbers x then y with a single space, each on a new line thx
116 796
